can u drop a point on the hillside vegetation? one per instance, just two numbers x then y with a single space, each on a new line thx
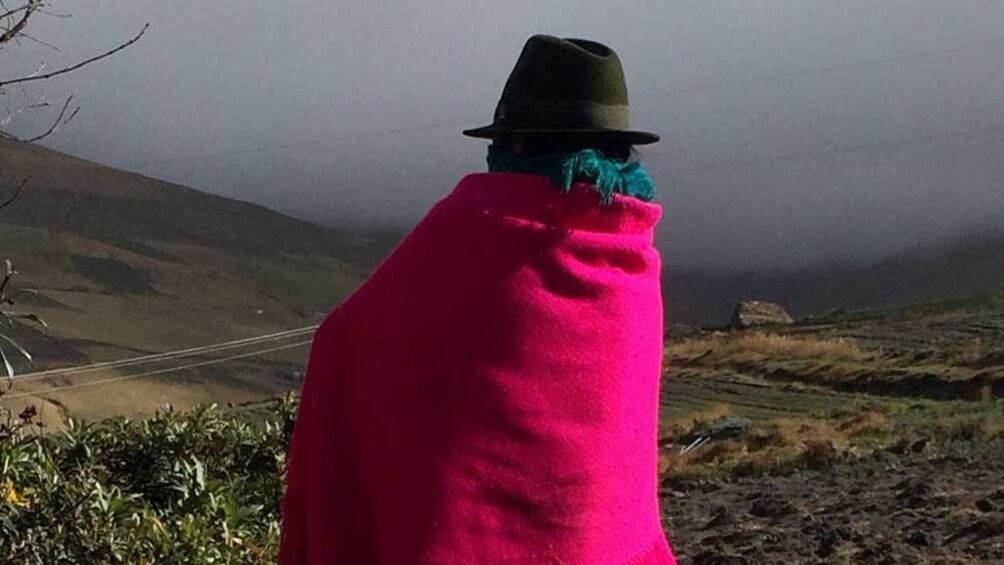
203 487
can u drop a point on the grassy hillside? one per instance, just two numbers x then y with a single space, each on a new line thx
949 350
128 265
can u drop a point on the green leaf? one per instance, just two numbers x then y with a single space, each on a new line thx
17 346
7 366
29 317
12 299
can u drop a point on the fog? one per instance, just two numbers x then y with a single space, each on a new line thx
793 132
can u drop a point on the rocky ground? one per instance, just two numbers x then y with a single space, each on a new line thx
912 508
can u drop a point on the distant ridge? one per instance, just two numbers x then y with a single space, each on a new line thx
956 268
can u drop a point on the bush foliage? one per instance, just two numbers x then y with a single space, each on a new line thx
199 487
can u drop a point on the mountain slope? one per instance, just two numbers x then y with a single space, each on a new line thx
951 269
128 265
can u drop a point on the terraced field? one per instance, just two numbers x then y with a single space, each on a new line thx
872 437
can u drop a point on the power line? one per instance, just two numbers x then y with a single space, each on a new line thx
154 373
166 356
787 75
145 359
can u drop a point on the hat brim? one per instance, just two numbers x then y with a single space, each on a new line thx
599 134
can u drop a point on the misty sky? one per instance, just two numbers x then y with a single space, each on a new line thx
793 131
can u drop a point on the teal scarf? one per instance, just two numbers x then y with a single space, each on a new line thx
608 176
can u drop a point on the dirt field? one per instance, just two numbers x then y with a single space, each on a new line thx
807 467
886 509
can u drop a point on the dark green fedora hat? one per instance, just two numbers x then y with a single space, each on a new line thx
566 87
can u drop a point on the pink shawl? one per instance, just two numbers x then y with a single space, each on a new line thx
489 395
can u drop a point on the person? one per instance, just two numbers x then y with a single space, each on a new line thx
489 395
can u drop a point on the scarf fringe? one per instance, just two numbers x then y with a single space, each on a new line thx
608 176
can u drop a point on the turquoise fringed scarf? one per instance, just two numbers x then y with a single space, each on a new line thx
609 176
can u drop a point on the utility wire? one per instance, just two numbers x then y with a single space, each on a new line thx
169 355
153 373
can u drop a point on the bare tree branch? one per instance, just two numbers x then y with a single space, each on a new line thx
15 196
13 32
60 121
78 65
13 22
56 124
42 10
14 12
28 105
39 41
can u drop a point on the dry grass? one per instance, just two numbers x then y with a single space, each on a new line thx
768 345
780 445
820 361
709 414
865 424
784 445
972 351
977 353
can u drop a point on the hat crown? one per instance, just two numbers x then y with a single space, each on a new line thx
553 69
567 87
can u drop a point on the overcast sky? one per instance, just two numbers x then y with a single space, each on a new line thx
793 131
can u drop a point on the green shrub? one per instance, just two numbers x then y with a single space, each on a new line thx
201 487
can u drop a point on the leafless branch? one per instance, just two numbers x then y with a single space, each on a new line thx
54 14
14 12
16 29
28 105
13 22
78 66
57 123
39 41
38 70
61 120
14 197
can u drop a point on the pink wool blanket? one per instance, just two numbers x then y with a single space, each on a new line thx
489 395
